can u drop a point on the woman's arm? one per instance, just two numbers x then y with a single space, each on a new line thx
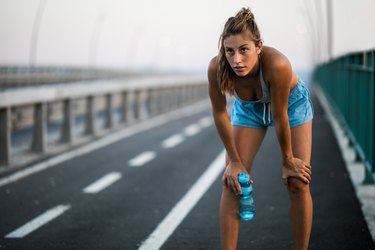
280 82
222 123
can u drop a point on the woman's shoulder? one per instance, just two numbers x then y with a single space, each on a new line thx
273 57
212 69
276 66
274 61
212 65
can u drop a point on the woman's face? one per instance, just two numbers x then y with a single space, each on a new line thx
241 53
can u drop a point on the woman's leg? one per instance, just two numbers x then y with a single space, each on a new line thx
301 206
248 141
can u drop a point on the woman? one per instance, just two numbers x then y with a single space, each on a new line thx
267 93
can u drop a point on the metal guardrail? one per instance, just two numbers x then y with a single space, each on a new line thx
349 84
91 108
25 76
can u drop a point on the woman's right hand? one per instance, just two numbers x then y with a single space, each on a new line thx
297 168
230 177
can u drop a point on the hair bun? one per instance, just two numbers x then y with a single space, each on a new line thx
247 14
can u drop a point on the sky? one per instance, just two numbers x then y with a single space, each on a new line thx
173 34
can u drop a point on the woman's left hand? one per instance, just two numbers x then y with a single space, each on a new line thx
297 168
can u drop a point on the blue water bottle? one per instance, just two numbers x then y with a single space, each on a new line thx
246 201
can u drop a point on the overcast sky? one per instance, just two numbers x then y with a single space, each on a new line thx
173 34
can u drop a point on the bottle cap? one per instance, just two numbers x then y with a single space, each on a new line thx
243 178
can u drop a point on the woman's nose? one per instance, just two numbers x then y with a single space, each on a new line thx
236 58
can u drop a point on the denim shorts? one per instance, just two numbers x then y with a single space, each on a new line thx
259 115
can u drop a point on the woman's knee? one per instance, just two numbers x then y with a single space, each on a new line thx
297 187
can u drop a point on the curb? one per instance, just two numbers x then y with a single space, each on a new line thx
365 192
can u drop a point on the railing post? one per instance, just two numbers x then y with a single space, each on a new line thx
184 94
68 132
150 102
170 98
5 138
144 99
158 96
176 97
131 102
91 116
39 143
167 99
125 106
181 95
190 94
137 104
164 100
109 107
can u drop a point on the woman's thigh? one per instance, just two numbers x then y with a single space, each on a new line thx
248 141
301 141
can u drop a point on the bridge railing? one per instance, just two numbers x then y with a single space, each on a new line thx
47 119
349 85
25 76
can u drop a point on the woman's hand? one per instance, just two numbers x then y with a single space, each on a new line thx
230 177
297 168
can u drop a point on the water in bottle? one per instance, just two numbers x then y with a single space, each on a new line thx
246 201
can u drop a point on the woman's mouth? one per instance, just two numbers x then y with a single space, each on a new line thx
239 68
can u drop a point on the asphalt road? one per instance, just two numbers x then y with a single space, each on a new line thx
150 189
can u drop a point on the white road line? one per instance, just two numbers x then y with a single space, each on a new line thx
107 140
142 159
102 183
205 122
192 130
38 222
184 206
173 141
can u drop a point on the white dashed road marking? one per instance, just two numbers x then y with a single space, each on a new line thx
173 141
205 122
173 219
192 130
102 183
142 159
38 222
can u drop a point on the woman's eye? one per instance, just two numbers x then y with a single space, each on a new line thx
229 51
244 50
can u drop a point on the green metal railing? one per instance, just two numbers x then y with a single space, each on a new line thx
348 82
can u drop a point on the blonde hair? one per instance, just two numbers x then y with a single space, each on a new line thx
243 21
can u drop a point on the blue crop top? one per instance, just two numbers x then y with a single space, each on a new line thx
266 98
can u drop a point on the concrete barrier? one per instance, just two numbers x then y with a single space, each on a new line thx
68 108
